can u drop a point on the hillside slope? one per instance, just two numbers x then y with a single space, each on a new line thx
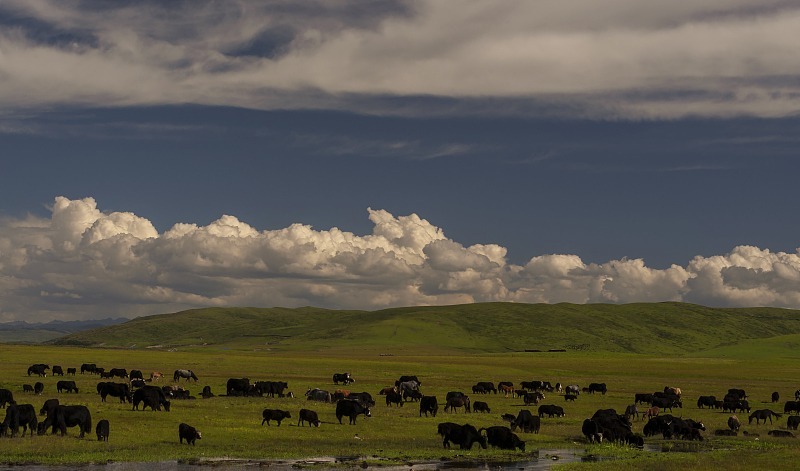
668 328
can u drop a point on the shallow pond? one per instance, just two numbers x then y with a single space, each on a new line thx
541 460
538 460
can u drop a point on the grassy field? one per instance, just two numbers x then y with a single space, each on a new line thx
646 328
232 426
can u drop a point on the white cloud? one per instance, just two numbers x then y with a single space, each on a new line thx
747 276
610 58
84 263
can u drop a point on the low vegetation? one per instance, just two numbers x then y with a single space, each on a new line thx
759 360
646 328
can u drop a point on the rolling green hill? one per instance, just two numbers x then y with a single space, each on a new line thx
666 328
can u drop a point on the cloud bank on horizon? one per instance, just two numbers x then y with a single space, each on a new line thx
609 59
82 263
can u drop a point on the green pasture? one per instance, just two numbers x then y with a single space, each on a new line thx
232 427
644 328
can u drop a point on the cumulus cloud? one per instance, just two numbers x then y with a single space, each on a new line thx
613 58
81 262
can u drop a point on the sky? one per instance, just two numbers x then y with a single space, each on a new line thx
159 156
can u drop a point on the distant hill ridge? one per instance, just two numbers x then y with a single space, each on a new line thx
668 328
66 326
37 332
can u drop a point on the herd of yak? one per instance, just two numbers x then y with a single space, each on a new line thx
604 425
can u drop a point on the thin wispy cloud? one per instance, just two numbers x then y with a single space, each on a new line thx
326 144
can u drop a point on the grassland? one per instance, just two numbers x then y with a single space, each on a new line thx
635 348
231 426
647 328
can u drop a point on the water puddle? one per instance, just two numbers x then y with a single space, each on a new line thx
537 460
542 459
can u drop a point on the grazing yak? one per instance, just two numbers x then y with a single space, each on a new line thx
274 414
152 397
532 398
48 407
413 394
643 398
407 378
57 370
394 398
66 386
102 430
306 415
706 401
188 433
526 421
270 388
632 411
502 437
428 404
343 378
463 435
592 431
791 407
6 397
237 386
351 409
406 387
733 423
120 390
606 424
551 411
68 416
39 369
457 401
363 397
16 415
792 422
118 372
738 393
480 406
487 386
317 394
665 403
597 387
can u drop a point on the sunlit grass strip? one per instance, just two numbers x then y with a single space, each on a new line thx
232 426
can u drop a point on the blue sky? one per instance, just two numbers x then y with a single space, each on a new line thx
366 155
